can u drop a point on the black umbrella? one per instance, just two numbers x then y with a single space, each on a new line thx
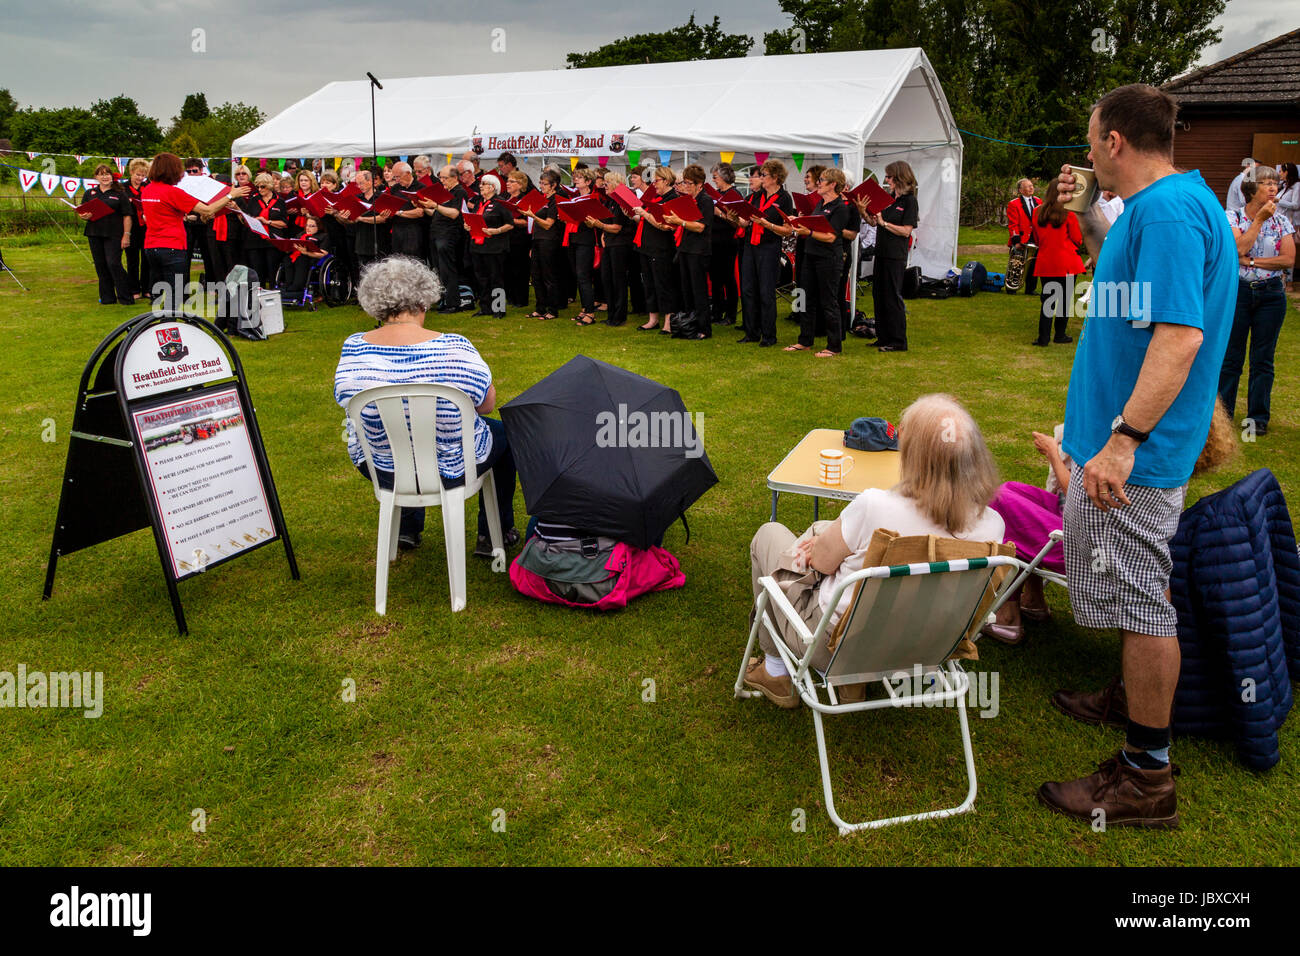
606 451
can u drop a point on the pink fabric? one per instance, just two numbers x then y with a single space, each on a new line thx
639 572
1031 514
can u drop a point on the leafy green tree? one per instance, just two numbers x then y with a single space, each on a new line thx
1014 70
690 41
195 107
8 106
124 130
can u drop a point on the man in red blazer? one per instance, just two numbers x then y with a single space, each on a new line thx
1020 225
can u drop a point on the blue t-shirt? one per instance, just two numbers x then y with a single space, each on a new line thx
1169 257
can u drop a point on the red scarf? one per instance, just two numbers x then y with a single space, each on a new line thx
764 204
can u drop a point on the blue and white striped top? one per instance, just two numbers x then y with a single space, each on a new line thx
444 360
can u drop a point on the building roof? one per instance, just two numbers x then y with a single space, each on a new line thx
1264 75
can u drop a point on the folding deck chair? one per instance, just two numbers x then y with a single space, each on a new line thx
900 618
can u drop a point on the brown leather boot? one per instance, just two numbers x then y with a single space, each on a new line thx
1124 795
1109 706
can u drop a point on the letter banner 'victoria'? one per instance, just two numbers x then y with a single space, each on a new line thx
551 143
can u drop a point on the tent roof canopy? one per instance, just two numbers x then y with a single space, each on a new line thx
814 102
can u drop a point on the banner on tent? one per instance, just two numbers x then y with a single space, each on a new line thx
552 143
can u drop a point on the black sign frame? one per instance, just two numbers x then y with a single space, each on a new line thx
103 437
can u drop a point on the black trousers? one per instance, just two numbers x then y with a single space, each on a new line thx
490 269
1052 313
583 258
296 274
347 260
613 269
693 272
406 242
446 259
137 264
223 259
887 296
846 320
660 278
264 260
517 267
760 270
722 276
635 286
820 276
548 272
106 252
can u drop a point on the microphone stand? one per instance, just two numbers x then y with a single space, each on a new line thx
374 144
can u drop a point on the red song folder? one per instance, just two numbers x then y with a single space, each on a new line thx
814 224
626 198
438 193
476 225
804 203
739 206
684 208
877 199
711 192
576 211
532 201
388 202
97 208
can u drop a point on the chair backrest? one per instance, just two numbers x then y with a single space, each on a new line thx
907 615
409 414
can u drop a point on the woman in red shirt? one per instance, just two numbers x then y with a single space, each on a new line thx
165 245
1057 233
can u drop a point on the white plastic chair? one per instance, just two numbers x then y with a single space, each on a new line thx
904 621
409 415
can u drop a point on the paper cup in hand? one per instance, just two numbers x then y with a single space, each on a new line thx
1085 185
833 466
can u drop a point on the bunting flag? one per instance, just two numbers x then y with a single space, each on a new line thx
87 183
798 161
338 161
727 157
633 156
120 163
31 155
383 161
603 160
79 157
261 163
761 158
72 184
49 182
28 178
835 159
665 157
356 164
449 159
404 157
282 165
573 162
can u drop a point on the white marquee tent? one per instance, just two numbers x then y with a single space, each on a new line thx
858 110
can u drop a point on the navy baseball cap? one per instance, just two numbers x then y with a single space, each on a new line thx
871 434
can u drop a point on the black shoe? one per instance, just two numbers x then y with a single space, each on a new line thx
891 348
745 338
724 322
449 310
647 328
483 548
486 315
407 542
615 325
765 344
1063 339
1040 342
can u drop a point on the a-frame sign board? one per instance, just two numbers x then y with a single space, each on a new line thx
164 436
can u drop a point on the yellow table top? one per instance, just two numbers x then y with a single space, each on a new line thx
798 471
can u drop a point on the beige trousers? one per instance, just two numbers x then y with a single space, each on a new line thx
769 545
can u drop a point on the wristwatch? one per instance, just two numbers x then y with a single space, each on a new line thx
1121 427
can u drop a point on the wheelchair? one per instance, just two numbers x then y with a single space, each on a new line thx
328 282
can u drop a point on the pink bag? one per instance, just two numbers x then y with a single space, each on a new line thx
636 572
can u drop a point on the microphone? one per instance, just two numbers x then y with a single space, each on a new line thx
373 80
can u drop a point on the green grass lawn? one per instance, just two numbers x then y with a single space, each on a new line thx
534 710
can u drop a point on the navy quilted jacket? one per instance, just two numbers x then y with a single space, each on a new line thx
1236 587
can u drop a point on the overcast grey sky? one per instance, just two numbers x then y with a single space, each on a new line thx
270 53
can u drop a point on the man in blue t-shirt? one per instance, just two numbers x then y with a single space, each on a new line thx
1141 397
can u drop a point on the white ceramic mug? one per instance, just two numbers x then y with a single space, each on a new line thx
833 466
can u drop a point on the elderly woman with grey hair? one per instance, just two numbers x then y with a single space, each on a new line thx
397 292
